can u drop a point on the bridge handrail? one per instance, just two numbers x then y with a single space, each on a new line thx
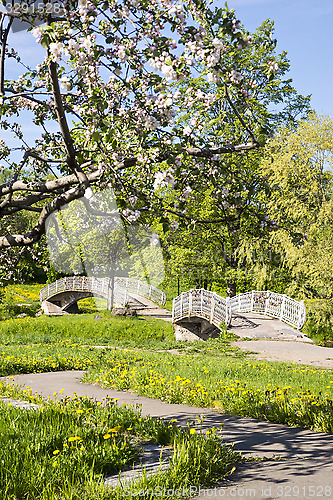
143 289
202 303
273 304
123 286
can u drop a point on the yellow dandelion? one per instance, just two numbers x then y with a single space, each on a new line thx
74 438
107 436
56 452
193 431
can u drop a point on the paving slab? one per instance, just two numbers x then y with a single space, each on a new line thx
304 469
288 351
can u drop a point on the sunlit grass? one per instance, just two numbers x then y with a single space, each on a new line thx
65 449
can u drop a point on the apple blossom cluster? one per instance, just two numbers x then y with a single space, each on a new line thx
273 66
164 179
168 65
235 76
131 215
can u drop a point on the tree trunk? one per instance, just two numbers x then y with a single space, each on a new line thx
111 292
178 286
231 288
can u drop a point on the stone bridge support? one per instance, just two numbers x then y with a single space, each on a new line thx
194 328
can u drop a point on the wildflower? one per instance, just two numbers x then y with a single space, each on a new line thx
193 431
56 452
74 438
106 436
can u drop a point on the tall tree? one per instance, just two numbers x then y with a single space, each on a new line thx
298 163
110 68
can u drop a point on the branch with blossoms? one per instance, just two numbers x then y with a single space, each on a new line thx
127 114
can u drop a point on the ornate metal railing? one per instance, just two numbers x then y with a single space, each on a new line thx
143 289
203 304
96 286
99 286
208 305
273 304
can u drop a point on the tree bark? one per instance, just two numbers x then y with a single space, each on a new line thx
111 292
231 288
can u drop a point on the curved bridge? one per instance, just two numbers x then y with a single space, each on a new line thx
271 304
61 296
202 312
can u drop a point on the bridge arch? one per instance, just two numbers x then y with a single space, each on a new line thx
202 312
61 296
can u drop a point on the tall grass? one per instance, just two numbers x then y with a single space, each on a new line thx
64 450
87 329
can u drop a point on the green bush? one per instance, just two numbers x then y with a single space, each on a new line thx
319 320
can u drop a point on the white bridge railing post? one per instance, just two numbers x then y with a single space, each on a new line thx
266 304
212 308
282 307
228 312
300 315
190 304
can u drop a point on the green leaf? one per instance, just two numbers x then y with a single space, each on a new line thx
96 136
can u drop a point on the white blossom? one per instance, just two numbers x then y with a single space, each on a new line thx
235 76
218 43
56 50
65 83
187 192
187 130
73 45
169 72
122 53
213 77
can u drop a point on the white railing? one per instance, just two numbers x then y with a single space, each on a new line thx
96 286
203 304
143 289
99 286
208 305
273 304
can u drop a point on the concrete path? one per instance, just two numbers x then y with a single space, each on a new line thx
270 339
297 352
305 470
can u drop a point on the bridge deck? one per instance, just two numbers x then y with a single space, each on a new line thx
255 326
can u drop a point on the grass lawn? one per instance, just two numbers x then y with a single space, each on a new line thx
140 355
65 449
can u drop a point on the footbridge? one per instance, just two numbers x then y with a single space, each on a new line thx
62 296
202 312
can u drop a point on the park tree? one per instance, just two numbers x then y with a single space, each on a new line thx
138 97
298 163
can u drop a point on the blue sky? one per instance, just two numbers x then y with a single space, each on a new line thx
304 29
